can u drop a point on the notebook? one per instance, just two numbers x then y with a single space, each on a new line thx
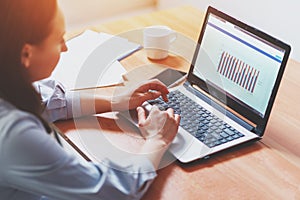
230 88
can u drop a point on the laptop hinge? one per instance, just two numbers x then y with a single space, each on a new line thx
219 107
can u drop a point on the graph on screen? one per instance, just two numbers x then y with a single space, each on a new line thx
238 71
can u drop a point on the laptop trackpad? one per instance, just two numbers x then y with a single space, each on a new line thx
186 148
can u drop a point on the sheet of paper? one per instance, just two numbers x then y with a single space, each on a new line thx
92 60
98 146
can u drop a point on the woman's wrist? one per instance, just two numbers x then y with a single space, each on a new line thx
154 149
117 104
155 145
92 104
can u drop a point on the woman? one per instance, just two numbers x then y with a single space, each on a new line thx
32 164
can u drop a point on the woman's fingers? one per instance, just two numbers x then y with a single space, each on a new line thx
149 95
141 116
154 85
170 111
177 119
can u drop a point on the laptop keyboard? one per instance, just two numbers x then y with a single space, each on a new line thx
198 121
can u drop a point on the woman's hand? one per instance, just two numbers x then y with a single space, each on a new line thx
159 129
136 96
158 125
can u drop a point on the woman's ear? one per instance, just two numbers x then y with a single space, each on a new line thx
26 55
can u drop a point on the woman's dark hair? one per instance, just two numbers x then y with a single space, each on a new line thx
21 22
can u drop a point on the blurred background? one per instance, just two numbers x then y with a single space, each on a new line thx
276 17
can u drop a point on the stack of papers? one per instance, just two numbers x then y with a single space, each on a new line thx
92 60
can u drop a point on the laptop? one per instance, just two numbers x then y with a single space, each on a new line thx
230 88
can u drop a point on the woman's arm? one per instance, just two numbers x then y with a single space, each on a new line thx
33 162
62 104
123 97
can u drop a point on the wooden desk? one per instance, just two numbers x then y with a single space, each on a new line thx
269 169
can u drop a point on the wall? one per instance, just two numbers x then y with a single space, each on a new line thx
276 17
84 13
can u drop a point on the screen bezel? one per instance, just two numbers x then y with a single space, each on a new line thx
245 111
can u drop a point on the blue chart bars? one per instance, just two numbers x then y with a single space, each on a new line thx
238 71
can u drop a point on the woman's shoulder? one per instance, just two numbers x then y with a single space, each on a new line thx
17 127
12 117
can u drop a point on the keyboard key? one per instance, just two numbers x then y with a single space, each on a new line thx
224 135
229 131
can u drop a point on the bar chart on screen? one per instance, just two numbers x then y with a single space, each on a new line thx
238 71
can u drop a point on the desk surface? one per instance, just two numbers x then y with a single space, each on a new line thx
268 169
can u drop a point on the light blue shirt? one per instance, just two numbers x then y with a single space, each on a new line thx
59 103
34 166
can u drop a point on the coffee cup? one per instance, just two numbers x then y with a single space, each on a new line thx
157 41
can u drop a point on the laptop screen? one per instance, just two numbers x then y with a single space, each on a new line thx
239 61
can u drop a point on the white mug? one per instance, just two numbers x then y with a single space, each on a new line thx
157 40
